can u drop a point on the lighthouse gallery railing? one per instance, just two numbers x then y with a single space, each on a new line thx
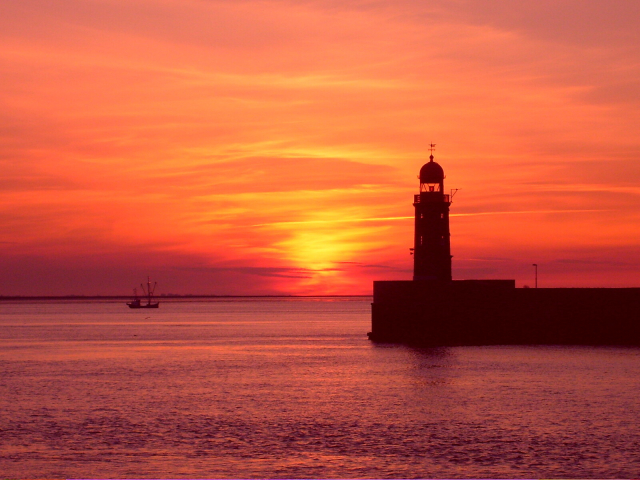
445 198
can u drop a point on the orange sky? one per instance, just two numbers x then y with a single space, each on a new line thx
264 147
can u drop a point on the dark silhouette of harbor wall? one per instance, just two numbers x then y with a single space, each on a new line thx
494 312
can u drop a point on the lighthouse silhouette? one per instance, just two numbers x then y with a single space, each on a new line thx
432 310
432 242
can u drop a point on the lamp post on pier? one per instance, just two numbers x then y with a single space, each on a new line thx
536 267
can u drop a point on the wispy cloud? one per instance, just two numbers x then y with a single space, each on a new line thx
386 219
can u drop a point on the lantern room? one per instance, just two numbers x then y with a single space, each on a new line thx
431 177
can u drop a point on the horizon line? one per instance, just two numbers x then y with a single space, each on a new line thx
159 297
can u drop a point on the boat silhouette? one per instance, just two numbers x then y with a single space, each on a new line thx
148 292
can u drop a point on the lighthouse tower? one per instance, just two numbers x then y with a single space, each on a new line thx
432 246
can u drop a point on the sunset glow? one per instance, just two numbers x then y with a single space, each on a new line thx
272 147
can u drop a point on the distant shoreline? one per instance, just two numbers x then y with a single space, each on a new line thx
163 297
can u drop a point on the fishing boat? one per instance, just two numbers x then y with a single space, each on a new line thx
148 292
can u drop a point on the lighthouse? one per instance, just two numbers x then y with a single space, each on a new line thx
432 244
432 310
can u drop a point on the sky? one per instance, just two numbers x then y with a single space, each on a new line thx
272 147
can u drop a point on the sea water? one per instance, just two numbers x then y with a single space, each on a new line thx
292 388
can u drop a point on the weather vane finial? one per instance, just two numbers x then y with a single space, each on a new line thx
432 147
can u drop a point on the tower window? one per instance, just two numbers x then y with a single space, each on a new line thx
429 187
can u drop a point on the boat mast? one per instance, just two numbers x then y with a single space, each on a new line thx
149 291
146 291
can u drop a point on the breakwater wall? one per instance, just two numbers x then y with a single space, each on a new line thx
494 312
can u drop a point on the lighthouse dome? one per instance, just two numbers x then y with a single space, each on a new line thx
431 172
